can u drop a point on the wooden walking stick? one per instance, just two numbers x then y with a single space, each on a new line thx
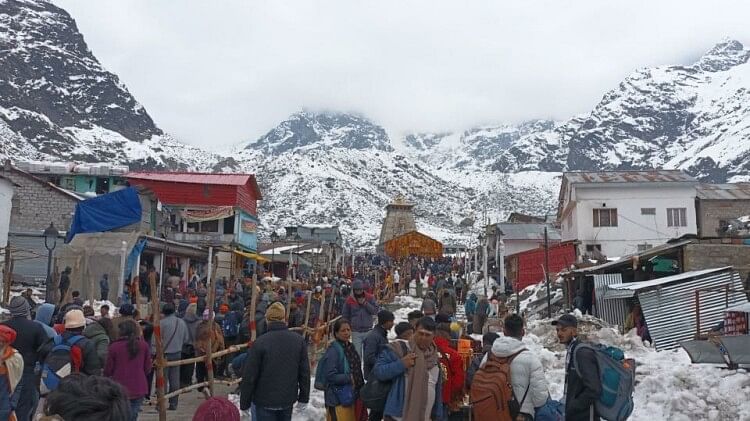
253 306
160 361
308 297
214 261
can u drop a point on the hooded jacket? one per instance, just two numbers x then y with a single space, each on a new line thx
44 317
192 321
525 372
96 333
360 315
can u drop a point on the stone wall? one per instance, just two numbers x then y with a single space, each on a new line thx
710 212
398 221
717 253
36 204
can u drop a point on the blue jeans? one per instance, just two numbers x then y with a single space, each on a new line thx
28 394
135 408
265 414
358 339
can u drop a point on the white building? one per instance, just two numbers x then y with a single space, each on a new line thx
6 197
621 212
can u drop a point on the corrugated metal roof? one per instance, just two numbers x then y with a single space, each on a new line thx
654 176
729 191
193 177
628 259
652 283
670 311
515 231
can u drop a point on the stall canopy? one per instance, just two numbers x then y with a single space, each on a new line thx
253 256
92 255
106 212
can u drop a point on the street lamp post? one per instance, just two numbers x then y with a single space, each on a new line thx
50 242
274 239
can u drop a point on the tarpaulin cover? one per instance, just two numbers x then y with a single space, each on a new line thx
133 257
106 212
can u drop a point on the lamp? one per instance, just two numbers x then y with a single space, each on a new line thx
50 242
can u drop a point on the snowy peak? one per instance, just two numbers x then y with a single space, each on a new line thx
310 130
723 56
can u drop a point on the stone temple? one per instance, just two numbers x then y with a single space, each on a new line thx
399 219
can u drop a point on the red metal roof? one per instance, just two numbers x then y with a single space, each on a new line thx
223 179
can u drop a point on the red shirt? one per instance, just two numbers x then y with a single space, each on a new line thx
453 387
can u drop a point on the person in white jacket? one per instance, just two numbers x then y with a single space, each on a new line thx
526 372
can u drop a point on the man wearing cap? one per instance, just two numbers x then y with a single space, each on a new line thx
30 336
376 340
277 370
75 322
359 309
174 335
127 312
582 391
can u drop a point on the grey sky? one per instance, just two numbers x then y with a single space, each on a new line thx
216 73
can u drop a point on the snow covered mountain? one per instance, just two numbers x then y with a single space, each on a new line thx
58 102
695 118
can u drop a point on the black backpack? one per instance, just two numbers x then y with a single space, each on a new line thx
374 393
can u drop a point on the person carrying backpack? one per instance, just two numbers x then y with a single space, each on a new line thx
581 391
528 384
70 352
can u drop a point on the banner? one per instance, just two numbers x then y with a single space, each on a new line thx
201 215
249 227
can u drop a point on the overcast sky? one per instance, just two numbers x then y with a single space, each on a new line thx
216 73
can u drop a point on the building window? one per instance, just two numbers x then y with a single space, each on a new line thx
676 217
644 246
648 211
605 217
210 226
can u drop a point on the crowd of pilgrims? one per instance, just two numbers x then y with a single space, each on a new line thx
111 355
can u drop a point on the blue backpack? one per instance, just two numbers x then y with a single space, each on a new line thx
617 378
552 410
230 326
320 375
59 363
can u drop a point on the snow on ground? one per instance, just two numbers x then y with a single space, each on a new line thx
668 386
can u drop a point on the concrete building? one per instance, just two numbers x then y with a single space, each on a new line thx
718 204
323 234
518 237
621 212
399 219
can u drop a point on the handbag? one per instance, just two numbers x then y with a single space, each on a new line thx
344 392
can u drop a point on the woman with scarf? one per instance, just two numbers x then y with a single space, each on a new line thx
11 369
344 378
413 367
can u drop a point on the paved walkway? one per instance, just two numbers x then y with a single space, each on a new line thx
189 402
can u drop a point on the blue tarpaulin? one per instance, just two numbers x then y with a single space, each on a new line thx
106 212
133 257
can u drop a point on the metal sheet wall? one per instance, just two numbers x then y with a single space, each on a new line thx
670 311
612 311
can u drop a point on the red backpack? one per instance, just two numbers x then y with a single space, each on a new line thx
491 394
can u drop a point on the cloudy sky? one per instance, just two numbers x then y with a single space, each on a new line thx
219 73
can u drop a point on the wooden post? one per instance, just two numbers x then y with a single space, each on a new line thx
7 275
308 297
253 305
55 282
321 318
697 314
288 296
161 402
211 314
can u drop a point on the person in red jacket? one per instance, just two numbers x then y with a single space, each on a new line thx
451 364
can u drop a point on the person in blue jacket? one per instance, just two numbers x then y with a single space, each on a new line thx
413 368
343 368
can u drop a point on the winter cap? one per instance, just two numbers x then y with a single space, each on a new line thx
217 409
206 314
7 334
566 320
318 288
385 316
127 310
442 318
19 307
357 285
403 327
276 312
74 319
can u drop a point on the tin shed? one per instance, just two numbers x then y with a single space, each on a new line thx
669 304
